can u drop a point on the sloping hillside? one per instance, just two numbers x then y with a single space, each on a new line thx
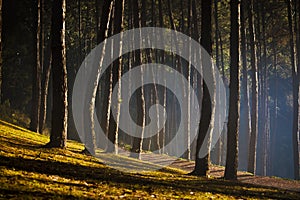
28 171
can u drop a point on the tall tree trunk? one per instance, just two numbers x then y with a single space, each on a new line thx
79 59
176 62
105 16
90 136
245 114
58 135
260 112
163 90
224 132
207 111
116 74
198 78
274 136
105 26
152 142
254 128
45 87
234 87
0 51
297 136
217 150
296 79
126 139
140 101
188 89
36 75
42 59
147 142
265 128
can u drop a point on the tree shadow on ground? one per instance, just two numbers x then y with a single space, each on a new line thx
105 174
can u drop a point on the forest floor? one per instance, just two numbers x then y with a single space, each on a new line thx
28 171
218 172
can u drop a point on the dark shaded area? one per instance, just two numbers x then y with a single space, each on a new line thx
93 174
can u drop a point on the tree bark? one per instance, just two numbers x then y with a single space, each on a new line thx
0 51
216 153
45 87
140 101
58 135
36 75
274 137
296 79
254 128
162 134
245 110
234 87
265 101
297 136
90 135
116 74
207 111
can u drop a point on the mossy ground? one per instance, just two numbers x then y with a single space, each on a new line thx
28 171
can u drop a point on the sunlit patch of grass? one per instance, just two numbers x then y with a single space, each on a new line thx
28 171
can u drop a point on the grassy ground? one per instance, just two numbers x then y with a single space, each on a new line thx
28 171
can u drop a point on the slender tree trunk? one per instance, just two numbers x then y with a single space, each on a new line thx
296 79
106 20
296 126
116 73
163 90
42 62
108 89
101 32
152 142
208 102
245 114
198 78
275 114
234 87
45 87
36 76
140 100
188 89
58 135
254 128
126 139
297 136
260 112
79 59
176 62
266 147
0 51
218 146
90 137
224 132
